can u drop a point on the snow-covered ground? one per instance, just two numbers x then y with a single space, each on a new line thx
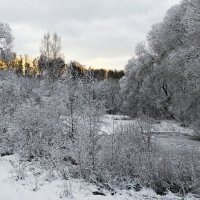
12 189
164 126
36 186
169 135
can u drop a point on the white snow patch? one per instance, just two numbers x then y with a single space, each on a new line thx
10 189
164 126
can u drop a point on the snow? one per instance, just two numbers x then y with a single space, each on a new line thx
169 135
23 189
164 126
11 189
115 121
172 127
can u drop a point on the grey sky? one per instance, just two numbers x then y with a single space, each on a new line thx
99 33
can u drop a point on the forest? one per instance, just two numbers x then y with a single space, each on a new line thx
53 114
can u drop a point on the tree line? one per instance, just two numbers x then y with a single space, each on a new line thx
50 62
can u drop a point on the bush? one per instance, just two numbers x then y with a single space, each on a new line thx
132 161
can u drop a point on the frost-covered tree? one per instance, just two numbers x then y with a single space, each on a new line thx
93 112
109 94
163 78
6 42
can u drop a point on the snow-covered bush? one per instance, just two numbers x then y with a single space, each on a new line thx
54 123
32 131
67 186
128 158
18 168
10 100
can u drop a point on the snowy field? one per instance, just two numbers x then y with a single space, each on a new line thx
38 188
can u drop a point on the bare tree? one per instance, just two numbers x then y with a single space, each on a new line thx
45 49
56 46
51 62
6 42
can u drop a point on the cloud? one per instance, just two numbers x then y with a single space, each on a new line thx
95 32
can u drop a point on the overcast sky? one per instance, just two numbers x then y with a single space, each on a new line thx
100 33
